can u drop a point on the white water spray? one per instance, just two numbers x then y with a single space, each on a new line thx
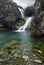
22 28
22 11
24 4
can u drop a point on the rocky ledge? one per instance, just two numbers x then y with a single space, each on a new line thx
37 12
10 16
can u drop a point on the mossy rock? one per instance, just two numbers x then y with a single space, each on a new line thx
12 44
1 53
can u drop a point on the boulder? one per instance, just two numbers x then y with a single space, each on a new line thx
9 16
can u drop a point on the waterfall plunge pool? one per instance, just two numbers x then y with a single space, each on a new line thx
21 48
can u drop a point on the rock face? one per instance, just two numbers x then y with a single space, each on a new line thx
10 16
37 25
37 11
29 11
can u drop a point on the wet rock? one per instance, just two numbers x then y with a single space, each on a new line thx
20 56
29 11
25 57
9 16
40 51
12 44
38 61
37 24
0 63
9 50
15 55
2 60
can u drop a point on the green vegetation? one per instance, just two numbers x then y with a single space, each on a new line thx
22 53
21 48
37 11
10 15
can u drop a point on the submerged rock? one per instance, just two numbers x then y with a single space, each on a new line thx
38 61
25 57
15 55
2 60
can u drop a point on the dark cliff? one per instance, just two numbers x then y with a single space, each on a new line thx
10 16
37 12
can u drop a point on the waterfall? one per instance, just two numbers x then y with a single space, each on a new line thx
22 11
22 28
24 4
27 23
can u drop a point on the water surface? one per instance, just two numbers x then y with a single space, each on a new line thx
25 44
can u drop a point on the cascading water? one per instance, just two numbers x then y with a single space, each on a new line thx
22 11
24 4
27 23
22 28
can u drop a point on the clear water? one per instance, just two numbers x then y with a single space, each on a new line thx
33 47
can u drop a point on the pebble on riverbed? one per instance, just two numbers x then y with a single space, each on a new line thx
25 57
38 61
15 55
40 51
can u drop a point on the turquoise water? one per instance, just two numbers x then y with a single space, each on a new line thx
33 47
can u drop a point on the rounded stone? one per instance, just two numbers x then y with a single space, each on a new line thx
25 57
15 55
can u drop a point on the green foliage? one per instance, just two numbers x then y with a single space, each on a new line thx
37 24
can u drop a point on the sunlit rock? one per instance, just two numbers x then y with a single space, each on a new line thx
38 61
40 51
25 57
15 55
